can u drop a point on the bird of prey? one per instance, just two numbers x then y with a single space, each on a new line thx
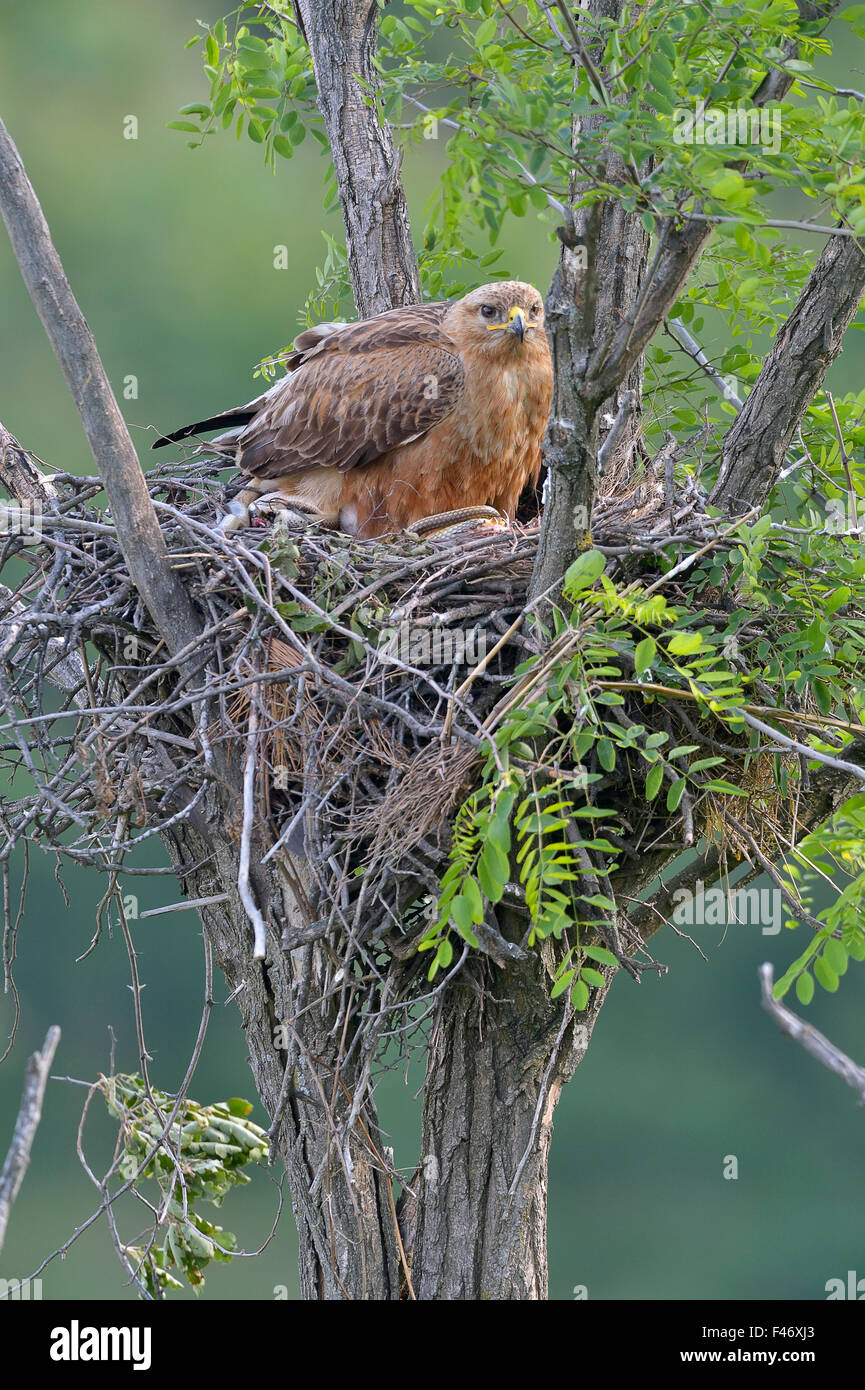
414 412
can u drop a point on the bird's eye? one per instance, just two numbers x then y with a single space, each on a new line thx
488 311
535 309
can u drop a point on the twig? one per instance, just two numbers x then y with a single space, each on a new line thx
689 344
250 906
809 1037
29 1115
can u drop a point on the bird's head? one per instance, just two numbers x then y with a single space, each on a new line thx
503 318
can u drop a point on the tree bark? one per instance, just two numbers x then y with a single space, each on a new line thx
571 445
500 1052
342 40
341 1193
801 355
113 451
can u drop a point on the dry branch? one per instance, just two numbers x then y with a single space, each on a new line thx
809 1037
29 1115
112 448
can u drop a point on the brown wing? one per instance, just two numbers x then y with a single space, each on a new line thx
355 394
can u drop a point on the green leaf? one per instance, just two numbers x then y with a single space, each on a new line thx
644 654
683 643
835 956
584 571
562 983
727 184
598 900
472 894
592 977
654 778
444 954
825 974
856 948
674 795
837 599
606 754
493 872
805 988
461 912
499 828
720 784
601 954
580 995
238 1106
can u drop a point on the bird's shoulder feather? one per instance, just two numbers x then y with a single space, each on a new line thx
355 393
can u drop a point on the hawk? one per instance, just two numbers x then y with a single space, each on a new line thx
414 412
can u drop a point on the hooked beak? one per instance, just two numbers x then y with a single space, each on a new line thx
517 322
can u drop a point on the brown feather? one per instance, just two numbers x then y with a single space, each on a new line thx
417 411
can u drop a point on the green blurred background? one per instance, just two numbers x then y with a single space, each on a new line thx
170 253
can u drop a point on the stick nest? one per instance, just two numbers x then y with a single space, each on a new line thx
360 660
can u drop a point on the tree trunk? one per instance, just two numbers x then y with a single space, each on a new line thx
342 39
802 353
341 1192
500 1052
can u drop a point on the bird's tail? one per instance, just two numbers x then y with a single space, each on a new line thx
304 344
227 419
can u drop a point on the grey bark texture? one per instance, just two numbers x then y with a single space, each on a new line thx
802 353
342 39
500 1052
29 1115
113 451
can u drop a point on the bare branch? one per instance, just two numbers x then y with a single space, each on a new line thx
627 406
112 448
29 1115
243 888
688 343
809 1037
